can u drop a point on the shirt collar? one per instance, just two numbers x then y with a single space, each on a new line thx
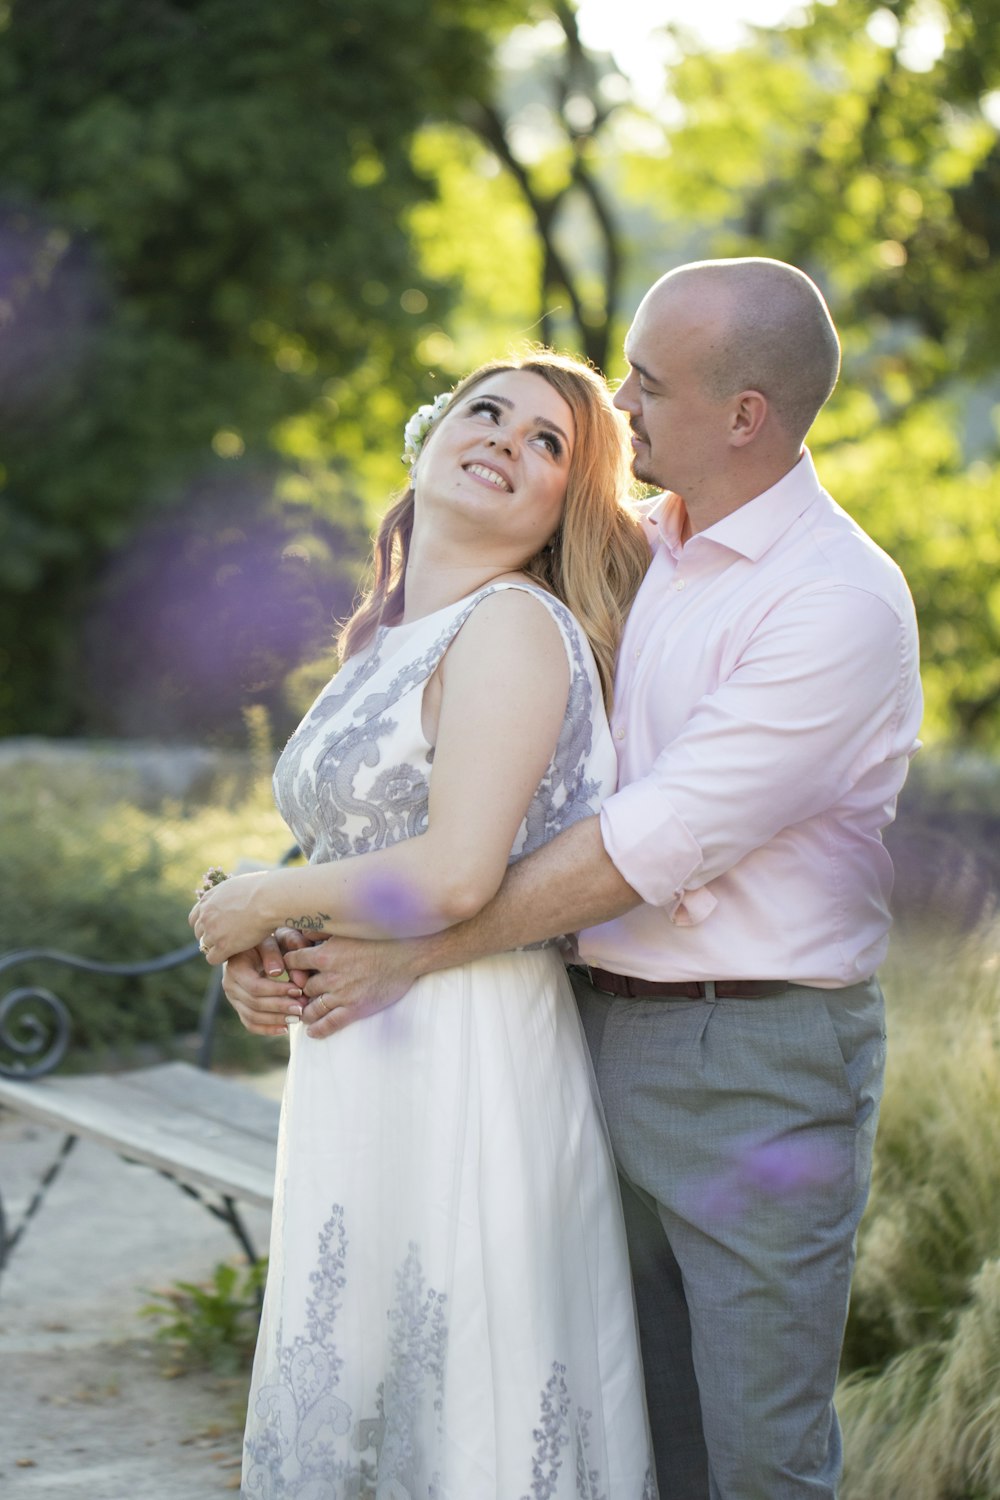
753 528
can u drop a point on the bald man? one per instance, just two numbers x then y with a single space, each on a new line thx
732 897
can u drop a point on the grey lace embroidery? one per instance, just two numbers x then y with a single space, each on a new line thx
335 770
308 1444
305 1436
559 1428
564 1430
299 1415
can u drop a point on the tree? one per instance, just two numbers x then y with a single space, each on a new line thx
864 147
205 276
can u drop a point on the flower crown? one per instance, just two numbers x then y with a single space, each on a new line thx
423 419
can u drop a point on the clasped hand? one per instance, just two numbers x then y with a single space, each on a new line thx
227 919
328 984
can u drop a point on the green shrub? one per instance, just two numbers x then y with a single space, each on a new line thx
105 879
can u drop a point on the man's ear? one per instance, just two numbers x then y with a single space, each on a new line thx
749 413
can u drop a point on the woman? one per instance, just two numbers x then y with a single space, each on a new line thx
448 1309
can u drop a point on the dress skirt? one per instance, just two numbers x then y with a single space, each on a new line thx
448 1313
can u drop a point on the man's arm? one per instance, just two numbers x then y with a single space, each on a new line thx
567 884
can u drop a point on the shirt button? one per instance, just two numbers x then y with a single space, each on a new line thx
680 583
638 652
619 734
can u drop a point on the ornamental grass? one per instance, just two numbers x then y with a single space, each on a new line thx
920 1402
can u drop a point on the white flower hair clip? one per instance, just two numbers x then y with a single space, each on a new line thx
416 430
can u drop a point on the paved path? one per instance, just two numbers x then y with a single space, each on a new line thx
86 1412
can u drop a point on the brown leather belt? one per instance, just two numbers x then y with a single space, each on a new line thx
684 989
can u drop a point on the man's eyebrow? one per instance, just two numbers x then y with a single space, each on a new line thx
641 370
542 421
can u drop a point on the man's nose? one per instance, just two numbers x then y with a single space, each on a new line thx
625 397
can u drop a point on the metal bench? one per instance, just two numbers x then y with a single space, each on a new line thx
213 1136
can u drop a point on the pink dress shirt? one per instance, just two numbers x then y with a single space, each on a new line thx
767 702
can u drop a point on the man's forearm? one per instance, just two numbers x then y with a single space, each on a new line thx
568 884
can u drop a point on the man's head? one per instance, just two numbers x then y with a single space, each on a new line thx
730 362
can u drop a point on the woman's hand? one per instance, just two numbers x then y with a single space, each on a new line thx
231 917
264 1001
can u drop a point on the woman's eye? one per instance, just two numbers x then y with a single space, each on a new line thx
489 407
554 445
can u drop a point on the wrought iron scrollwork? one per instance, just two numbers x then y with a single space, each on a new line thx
34 1032
35 1024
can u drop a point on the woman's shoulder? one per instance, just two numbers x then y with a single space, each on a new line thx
521 611
519 586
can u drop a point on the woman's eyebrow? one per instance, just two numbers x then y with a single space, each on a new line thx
542 421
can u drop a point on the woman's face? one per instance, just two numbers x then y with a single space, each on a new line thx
499 461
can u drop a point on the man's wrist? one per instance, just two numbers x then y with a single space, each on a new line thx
441 950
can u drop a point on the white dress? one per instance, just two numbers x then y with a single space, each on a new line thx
448 1313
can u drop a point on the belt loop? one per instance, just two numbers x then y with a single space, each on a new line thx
709 989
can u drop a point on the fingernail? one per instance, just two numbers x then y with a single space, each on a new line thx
277 974
295 993
296 1012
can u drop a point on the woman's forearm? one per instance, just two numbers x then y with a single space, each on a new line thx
415 887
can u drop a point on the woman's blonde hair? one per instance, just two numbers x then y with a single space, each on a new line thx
595 560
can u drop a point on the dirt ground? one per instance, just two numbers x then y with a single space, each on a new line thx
86 1408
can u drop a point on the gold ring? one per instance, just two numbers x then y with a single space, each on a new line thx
202 945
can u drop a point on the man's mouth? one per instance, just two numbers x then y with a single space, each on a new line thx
491 476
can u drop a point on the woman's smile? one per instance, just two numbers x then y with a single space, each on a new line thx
489 475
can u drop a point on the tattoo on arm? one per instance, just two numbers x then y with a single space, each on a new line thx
313 923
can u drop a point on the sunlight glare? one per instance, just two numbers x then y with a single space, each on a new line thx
632 32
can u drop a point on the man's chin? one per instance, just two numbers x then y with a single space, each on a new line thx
642 471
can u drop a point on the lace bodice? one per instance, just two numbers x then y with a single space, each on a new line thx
355 775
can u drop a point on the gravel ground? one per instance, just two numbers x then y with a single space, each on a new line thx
87 1409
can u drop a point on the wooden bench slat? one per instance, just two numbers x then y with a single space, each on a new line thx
212 1096
205 1130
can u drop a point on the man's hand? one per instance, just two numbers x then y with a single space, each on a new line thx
254 984
350 978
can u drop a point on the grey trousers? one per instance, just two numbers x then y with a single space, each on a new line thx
743 1131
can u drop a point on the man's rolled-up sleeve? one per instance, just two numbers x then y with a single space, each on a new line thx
825 689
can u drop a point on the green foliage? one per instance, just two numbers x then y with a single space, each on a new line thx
499 293
920 1408
91 873
239 242
211 1326
832 143
929 1426
937 516
203 272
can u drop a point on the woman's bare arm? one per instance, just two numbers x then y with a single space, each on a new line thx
504 686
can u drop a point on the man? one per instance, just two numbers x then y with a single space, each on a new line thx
732 897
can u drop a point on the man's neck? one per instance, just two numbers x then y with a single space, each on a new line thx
706 509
